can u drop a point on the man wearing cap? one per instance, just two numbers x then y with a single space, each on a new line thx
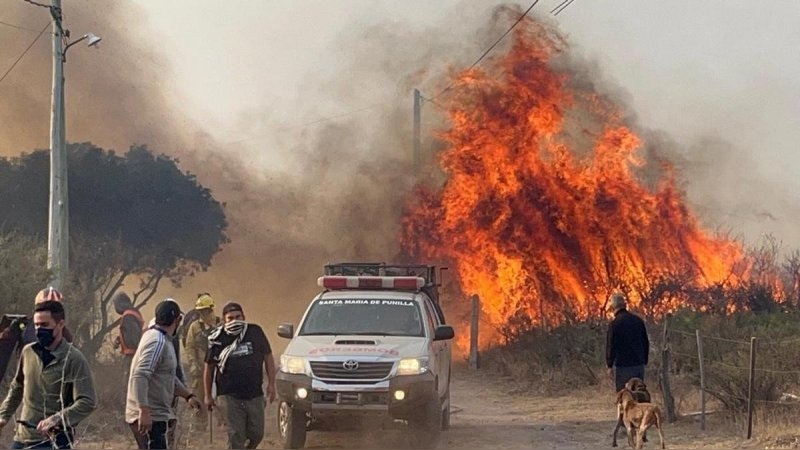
195 348
627 345
154 381
237 351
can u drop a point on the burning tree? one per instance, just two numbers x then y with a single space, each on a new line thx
544 211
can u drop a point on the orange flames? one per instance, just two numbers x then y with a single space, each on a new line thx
544 211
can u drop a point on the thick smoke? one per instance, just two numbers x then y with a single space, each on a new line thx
343 183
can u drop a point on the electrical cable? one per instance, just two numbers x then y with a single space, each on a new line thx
23 53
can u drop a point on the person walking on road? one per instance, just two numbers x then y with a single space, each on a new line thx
195 349
237 352
154 381
627 344
53 384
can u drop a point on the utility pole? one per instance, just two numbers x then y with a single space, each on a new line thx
58 223
417 131
58 207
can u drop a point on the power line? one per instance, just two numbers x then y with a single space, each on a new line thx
17 27
561 7
450 86
23 53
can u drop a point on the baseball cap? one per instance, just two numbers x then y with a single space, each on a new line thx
167 311
231 306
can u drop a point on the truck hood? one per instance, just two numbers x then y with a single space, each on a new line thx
390 347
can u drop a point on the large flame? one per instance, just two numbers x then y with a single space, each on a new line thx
544 212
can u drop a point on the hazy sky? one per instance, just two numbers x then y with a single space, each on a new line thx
719 78
690 67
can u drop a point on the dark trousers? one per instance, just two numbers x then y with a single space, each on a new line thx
157 438
62 440
623 374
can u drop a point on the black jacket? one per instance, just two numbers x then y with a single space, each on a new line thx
627 344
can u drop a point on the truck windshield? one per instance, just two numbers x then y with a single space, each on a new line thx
380 317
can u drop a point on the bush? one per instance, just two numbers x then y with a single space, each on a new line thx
560 359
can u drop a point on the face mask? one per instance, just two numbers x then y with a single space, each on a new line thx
234 327
45 336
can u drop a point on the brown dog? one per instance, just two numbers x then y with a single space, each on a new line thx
641 395
638 417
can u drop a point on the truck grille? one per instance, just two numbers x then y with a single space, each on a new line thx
341 370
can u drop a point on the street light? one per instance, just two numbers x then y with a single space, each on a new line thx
58 222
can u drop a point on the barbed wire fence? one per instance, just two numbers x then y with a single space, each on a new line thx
739 375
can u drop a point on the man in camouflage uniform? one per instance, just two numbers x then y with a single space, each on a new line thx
196 346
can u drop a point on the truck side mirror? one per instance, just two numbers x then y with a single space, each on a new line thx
286 330
444 333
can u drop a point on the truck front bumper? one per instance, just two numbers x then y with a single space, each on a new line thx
400 397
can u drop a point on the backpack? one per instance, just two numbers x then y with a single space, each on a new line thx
123 347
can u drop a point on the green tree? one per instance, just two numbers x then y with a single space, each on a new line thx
22 272
134 219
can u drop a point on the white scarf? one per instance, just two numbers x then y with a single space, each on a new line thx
238 328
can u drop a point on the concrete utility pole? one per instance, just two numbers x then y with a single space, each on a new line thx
58 221
417 131
58 224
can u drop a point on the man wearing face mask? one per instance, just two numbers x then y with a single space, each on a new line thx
195 348
53 383
154 382
237 351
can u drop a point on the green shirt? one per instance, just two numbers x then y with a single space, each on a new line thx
41 390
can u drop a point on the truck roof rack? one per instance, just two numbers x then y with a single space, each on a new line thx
381 269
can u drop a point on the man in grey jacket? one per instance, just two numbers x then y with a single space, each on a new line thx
154 382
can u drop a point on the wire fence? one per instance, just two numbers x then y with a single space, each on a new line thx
740 375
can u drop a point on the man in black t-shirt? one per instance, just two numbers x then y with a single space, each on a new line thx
236 352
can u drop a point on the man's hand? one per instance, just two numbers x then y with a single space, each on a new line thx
47 425
271 392
194 404
145 421
210 403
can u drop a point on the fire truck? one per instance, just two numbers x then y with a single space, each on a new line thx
372 349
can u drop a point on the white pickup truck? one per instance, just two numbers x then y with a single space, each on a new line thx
371 350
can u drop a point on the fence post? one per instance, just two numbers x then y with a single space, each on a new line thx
702 382
474 364
751 387
669 401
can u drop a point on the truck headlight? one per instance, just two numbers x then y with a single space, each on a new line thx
293 364
412 366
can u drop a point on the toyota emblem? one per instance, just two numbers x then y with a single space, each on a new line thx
350 365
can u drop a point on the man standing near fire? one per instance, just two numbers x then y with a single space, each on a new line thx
627 344
236 354
195 348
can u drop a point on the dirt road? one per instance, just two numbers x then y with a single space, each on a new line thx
490 414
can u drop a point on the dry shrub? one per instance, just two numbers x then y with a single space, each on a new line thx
553 361
726 356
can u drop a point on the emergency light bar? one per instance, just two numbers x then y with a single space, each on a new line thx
344 282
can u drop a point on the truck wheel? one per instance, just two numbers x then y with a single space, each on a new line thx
426 430
291 426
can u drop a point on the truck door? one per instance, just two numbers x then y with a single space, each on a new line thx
441 350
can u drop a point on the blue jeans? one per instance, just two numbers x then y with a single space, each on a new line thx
623 374
62 440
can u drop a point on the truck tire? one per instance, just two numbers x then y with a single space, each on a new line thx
426 430
291 426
